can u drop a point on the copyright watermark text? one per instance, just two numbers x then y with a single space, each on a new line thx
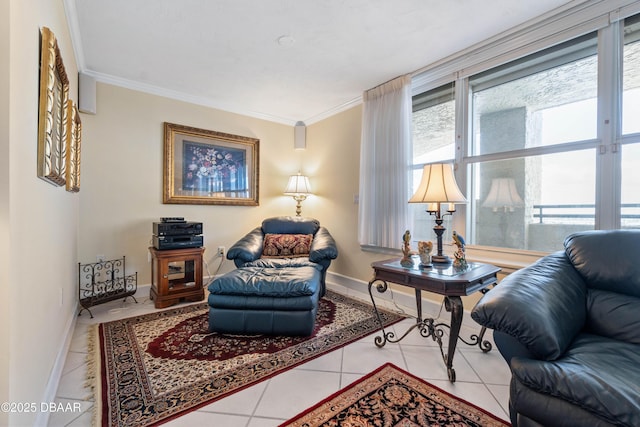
23 407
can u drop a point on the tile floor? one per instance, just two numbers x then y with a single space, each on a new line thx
482 378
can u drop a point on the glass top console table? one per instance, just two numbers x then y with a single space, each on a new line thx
444 280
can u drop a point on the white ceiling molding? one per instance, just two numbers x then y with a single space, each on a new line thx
184 97
333 111
74 29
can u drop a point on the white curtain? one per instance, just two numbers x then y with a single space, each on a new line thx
385 164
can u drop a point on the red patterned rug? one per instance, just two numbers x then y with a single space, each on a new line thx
149 369
390 396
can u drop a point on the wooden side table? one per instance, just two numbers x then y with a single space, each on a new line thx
176 275
443 280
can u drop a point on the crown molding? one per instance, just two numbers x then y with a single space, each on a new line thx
333 111
185 97
211 103
71 14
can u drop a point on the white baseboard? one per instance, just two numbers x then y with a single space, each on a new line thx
42 417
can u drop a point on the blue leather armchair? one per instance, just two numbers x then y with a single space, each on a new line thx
279 280
248 250
569 327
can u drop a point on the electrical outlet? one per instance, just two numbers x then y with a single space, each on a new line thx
101 258
221 250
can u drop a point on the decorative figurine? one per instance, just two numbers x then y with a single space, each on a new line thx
424 250
406 250
460 260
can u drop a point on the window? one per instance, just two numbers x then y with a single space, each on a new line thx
434 126
532 202
534 117
630 151
532 159
433 141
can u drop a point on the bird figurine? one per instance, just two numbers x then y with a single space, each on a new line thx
458 240
460 259
406 250
406 238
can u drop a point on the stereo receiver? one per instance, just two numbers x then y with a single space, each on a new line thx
177 228
177 242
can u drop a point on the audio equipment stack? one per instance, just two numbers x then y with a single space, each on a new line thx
176 233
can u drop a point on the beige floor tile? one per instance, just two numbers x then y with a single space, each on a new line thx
291 392
363 357
243 402
198 418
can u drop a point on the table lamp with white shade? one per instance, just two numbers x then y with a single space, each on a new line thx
438 186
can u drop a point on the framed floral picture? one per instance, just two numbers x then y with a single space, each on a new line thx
208 167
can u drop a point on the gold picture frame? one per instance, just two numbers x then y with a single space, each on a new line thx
206 167
73 144
53 97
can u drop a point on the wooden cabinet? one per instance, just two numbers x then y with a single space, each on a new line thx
176 275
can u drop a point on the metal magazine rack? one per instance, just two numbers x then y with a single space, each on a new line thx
104 281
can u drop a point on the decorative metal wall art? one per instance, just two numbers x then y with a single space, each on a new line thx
73 143
52 116
209 167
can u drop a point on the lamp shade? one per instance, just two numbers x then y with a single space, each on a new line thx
503 195
298 184
438 185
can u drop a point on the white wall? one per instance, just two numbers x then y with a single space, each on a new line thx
122 170
43 219
5 293
335 147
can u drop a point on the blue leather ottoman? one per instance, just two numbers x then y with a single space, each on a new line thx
265 300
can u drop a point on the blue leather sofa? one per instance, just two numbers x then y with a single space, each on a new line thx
279 280
569 327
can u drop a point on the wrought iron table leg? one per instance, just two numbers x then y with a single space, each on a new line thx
386 337
479 340
453 304
485 346
427 327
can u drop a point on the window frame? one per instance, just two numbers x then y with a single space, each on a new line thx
608 21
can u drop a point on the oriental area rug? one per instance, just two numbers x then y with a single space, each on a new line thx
390 396
148 369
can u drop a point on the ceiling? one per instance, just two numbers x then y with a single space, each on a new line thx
281 60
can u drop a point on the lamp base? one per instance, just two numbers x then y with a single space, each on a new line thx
440 259
299 198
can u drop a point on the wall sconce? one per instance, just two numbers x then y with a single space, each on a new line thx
438 185
298 187
503 195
